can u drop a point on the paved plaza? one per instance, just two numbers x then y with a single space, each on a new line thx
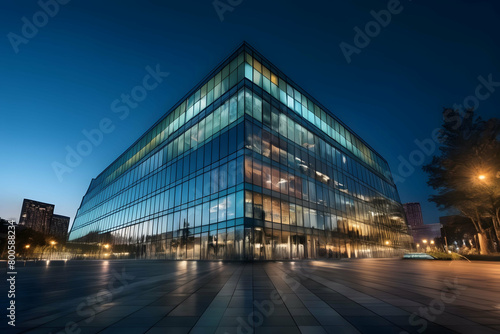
351 296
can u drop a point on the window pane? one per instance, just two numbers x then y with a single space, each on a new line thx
266 144
257 173
248 204
223 177
267 209
215 149
257 108
239 204
206 214
191 190
213 211
266 176
231 173
206 184
198 215
299 214
285 213
222 209
230 204
276 210
214 181
257 206
178 197
293 220
223 145
199 186
190 217
307 221
216 121
232 140
239 170
233 113
224 116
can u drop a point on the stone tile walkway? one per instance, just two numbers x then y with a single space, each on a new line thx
355 296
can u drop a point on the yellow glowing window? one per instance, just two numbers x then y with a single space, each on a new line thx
257 65
266 72
274 79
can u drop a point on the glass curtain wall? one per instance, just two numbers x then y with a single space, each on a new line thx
245 167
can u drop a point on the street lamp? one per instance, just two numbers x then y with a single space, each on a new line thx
53 243
27 248
387 242
481 177
106 247
425 244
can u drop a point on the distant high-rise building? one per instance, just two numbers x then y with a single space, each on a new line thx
40 217
36 215
413 214
59 226
426 232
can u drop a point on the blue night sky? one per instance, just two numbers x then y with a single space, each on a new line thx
65 76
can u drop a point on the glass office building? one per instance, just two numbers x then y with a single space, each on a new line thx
247 166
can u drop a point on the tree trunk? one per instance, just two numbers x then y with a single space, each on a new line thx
482 236
496 225
486 234
484 248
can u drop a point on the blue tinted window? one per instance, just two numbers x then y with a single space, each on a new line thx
223 177
206 184
232 140
215 149
199 186
192 190
199 158
231 173
223 144
208 154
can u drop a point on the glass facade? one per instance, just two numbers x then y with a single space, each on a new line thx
247 166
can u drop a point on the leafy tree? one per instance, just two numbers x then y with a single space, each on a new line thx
458 229
466 173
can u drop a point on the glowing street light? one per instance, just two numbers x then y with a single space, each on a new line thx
27 246
53 242
481 177
424 241
387 242
106 246
432 242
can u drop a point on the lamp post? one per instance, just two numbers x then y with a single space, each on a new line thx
425 244
27 249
